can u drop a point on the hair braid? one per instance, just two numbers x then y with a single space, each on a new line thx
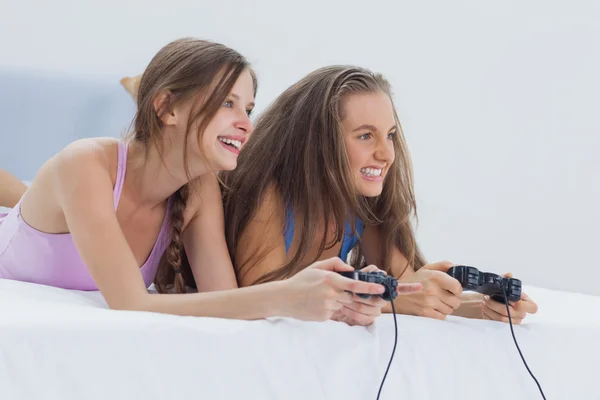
171 268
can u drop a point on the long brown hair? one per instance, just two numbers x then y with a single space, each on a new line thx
184 69
298 148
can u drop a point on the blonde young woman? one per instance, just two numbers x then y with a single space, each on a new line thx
327 171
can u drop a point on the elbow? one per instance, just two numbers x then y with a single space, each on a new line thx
129 303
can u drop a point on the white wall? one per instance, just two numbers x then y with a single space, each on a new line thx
499 101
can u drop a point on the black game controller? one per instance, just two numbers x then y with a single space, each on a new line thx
487 283
389 282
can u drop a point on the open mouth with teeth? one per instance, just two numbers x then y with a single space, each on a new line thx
372 174
232 145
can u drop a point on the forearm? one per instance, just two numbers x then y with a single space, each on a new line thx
250 303
470 306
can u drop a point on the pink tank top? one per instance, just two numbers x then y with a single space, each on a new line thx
29 255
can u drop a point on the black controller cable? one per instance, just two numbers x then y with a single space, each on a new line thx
393 350
515 340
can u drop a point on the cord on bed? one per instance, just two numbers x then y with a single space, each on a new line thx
516 344
393 350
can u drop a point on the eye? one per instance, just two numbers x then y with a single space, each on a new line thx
249 112
228 103
365 136
391 135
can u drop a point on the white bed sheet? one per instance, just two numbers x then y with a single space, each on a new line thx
58 344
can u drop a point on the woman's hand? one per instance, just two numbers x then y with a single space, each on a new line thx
365 311
440 294
496 311
318 291
360 311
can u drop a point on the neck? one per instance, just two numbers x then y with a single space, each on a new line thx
153 177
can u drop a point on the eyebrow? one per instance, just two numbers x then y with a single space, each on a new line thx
372 128
235 96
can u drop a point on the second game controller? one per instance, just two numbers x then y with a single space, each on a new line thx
487 283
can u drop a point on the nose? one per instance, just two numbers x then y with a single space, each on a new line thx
385 151
245 124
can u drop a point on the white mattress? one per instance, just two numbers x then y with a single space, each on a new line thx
58 344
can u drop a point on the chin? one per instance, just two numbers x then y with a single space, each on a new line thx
370 192
227 166
227 163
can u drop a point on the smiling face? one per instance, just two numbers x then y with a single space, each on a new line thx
218 147
231 127
369 128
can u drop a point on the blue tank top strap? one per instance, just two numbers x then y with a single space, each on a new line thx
289 229
349 241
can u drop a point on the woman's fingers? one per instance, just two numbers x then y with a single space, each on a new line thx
373 268
526 304
373 301
357 318
500 308
442 307
488 313
345 298
432 313
450 299
409 288
373 308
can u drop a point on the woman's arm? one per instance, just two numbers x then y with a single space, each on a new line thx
204 237
262 250
441 293
84 192
11 189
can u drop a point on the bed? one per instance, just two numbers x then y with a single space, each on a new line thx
62 344
59 344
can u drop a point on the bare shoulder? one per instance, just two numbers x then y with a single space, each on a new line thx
76 161
62 174
100 152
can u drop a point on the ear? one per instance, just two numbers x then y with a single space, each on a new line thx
131 85
163 108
